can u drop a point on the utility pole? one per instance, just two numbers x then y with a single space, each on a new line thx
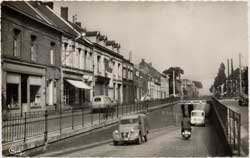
173 83
240 73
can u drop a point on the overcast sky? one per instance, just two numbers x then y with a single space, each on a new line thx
196 36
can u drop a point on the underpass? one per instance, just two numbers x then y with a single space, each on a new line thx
164 140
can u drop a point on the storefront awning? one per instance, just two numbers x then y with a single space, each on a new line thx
78 84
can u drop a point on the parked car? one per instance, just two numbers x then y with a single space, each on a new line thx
131 128
102 103
198 117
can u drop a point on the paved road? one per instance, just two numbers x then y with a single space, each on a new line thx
243 110
162 142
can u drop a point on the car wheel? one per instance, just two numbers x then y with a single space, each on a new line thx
145 138
139 139
115 143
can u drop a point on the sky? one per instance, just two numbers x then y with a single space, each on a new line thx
196 36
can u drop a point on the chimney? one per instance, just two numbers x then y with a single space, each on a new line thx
228 68
232 66
79 24
64 13
142 60
49 4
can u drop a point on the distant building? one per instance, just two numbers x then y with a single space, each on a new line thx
154 79
127 81
164 86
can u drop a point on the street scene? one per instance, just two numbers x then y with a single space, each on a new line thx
124 79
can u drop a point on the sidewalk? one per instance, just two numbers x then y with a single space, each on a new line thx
38 141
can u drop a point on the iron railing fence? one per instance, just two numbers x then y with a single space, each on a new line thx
230 124
21 127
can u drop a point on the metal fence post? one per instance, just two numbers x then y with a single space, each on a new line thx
239 134
99 115
82 117
46 128
25 126
60 121
91 115
72 118
122 108
117 108
234 130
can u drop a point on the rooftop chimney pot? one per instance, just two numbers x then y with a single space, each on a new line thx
64 13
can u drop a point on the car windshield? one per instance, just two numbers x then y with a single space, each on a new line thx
129 121
197 114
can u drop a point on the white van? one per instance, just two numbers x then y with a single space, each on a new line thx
198 117
101 102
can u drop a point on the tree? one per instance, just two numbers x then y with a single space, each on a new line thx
221 76
178 72
198 84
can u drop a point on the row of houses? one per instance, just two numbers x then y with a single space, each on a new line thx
49 62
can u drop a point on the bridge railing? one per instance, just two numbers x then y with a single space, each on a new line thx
228 123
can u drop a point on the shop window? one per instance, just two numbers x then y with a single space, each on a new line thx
33 48
35 96
69 94
12 96
17 43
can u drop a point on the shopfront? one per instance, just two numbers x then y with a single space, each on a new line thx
22 91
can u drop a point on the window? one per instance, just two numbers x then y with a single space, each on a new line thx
85 59
35 95
52 46
72 54
35 91
98 64
17 43
79 58
65 54
12 95
33 49
90 62
50 88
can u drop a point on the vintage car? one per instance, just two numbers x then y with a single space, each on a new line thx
132 128
198 117
101 103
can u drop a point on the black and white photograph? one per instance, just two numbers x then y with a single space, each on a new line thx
124 78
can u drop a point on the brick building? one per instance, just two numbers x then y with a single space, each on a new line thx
30 58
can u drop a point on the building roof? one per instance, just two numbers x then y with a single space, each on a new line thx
40 12
58 21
